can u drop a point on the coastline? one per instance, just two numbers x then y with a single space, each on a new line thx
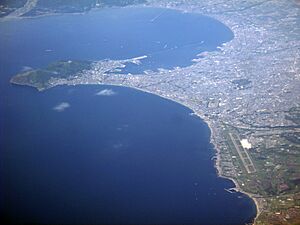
217 162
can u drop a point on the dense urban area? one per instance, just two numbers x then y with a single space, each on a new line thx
248 91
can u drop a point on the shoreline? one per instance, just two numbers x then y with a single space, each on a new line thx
217 162
237 187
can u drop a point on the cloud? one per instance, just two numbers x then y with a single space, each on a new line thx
26 68
106 92
117 146
61 107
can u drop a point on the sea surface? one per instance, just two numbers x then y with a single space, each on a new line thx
104 154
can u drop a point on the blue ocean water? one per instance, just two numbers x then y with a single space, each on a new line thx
70 156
